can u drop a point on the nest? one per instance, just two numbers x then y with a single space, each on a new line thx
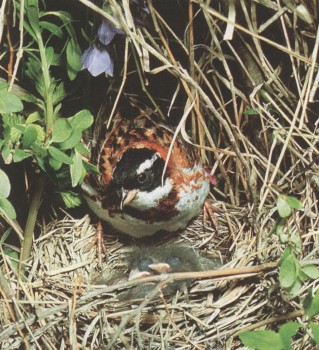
60 307
265 144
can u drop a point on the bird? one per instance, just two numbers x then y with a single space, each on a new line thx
140 189
149 260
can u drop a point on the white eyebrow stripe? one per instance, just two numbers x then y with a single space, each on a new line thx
147 164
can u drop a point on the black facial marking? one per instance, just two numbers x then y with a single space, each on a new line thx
125 174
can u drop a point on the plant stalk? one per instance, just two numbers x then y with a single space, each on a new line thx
31 220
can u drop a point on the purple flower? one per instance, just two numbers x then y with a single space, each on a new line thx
107 31
97 60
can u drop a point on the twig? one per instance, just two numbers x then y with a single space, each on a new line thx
2 10
5 289
271 320
11 49
20 49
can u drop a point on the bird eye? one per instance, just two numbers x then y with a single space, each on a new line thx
143 264
173 262
141 178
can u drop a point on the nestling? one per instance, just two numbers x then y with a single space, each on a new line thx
150 260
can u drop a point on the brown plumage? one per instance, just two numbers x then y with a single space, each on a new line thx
132 191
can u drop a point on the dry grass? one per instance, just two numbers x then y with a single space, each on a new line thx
256 156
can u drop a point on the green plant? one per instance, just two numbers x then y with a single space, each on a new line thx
281 340
6 207
292 275
51 142
291 272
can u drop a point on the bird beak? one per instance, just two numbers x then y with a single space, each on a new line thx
127 197
135 274
160 268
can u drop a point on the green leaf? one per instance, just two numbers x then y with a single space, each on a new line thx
7 208
15 134
82 120
279 227
33 117
3 85
90 168
73 140
69 27
61 130
30 135
6 154
52 28
311 271
21 128
284 237
49 54
57 60
5 186
73 57
283 207
34 72
55 164
294 202
10 103
287 331
251 111
64 16
59 155
311 304
12 123
29 29
59 93
40 162
40 132
315 332
19 155
5 235
13 119
294 289
296 241
262 340
264 95
288 272
285 254
71 199
13 255
33 15
39 150
76 169
17 90
302 276
82 149
56 110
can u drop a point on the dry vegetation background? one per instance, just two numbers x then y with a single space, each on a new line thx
249 69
